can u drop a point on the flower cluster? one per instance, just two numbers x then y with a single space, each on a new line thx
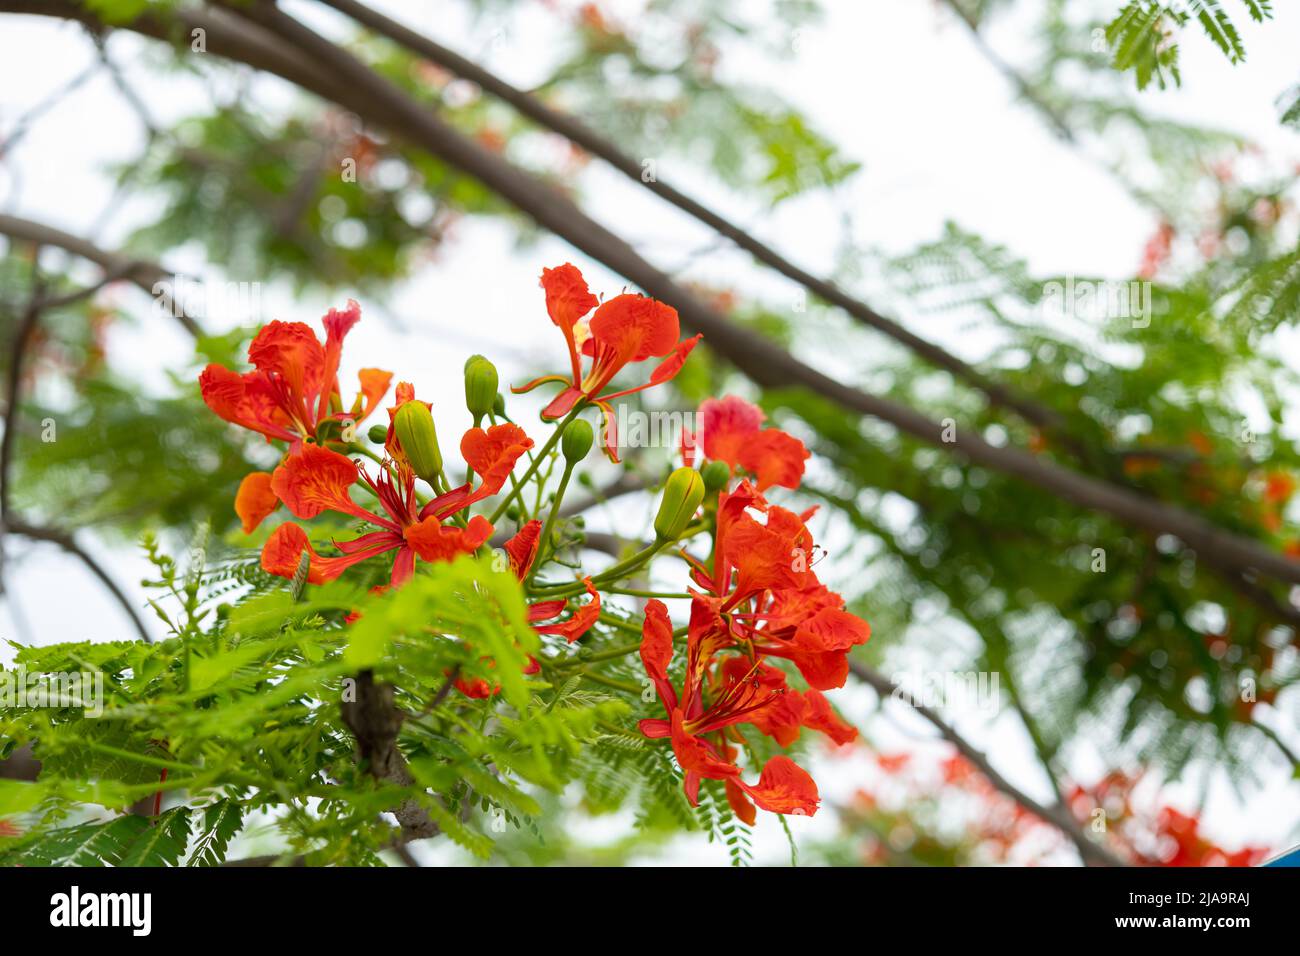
756 601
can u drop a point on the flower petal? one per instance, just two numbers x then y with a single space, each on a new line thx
774 457
492 454
567 297
784 787
292 351
283 550
434 541
634 328
337 322
696 755
728 423
581 621
374 386
255 500
245 400
822 717
522 548
317 479
740 805
657 650
567 300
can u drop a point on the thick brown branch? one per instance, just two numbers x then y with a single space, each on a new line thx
375 721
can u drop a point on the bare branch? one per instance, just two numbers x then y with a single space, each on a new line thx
9 522
145 275
1057 816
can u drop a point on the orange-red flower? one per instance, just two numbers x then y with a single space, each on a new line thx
766 595
628 328
293 386
317 479
521 551
791 711
731 431
783 787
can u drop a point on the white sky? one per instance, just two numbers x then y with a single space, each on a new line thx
896 84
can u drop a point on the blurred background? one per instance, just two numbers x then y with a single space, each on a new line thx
946 162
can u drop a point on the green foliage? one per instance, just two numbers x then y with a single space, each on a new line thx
1142 35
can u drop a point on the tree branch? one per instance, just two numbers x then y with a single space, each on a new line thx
375 721
144 275
1057 816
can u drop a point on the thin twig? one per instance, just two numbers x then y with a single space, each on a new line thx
1058 816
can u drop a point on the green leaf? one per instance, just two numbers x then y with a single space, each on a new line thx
162 843
221 821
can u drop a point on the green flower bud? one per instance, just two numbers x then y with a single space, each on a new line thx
577 441
715 475
683 492
480 386
499 406
378 434
414 426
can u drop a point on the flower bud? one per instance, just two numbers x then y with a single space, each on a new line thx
378 434
715 475
413 424
577 441
480 386
499 406
683 492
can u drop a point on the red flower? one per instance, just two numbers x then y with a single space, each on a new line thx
293 387
791 711
810 628
522 551
783 787
1278 487
628 328
317 479
767 595
732 432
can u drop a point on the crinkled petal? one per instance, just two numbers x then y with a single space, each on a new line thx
292 351
634 328
317 479
657 650
784 787
434 541
492 454
728 423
